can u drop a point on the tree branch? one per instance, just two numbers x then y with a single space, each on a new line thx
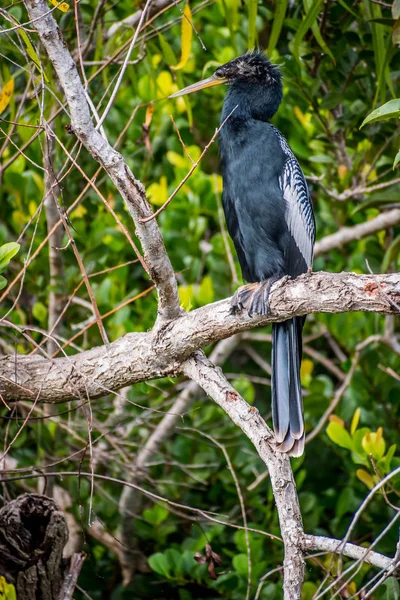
247 417
318 542
132 191
351 234
141 356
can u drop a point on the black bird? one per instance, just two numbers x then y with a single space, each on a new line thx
270 218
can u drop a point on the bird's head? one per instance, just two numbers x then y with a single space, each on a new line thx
250 74
251 68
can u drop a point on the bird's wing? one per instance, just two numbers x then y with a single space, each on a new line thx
299 213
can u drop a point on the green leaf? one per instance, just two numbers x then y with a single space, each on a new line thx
392 589
389 110
308 591
156 515
3 282
39 311
391 254
252 31
348 8
160 564
309 19
280 13
240 564
317 33
168 53
373 11
338 434
7 251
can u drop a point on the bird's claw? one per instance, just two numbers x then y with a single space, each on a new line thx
254 297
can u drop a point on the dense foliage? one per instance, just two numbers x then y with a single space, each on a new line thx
339 62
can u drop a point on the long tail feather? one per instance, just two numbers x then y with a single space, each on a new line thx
287 405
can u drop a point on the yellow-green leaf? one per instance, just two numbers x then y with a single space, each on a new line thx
63 6
30 50
339 435
373 443
396 160
355 420
5 95
185 296
7 251
186 36
7 590
365 477
336 419
306 370
206 291
158 192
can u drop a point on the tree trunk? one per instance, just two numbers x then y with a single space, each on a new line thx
33 533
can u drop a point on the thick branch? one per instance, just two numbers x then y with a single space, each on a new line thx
142 356
247 417
318 542
351 234
132 191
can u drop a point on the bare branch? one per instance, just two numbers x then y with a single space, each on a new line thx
71 578
247 417
351 234
148 355
318 542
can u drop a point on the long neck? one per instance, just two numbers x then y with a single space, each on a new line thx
255 100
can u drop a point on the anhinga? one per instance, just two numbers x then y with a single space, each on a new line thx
270 219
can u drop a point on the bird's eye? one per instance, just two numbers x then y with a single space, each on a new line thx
218 73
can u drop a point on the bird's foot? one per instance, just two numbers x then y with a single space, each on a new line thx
254 297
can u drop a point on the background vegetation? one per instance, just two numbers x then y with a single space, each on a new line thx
339 61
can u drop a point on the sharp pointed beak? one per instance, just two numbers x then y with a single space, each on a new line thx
200 85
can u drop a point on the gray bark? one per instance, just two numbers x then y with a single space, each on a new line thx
33 533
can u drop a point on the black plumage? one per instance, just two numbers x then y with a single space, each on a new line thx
270 218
